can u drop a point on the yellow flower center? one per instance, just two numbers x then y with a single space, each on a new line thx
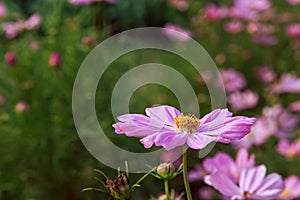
187 123
286 192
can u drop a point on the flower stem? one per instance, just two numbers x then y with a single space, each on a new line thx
166 183
185 178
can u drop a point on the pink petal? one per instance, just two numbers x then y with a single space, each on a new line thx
271 187
242 160
148 141
164 114
224 185
170 140
252 178
199 141
216 115
136 125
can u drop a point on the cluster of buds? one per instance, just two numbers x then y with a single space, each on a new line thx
118 189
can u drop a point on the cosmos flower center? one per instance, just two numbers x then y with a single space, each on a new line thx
187 123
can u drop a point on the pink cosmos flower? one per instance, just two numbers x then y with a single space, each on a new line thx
291 191
233 27
12 29
280 120
3 11
206 193
33 22
180 5
21 106
249 9
260 132
265 39
253 184
196 174
233 80
288 83
295 106
83 2
265 74
172 30
293 30
167 127
293 2
243 100
214 13
287 149
232 169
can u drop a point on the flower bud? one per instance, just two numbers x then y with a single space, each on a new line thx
10 58
21 107
2 100
54 60
165 170
119 187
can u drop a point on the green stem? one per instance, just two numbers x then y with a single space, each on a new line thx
166 183
185 178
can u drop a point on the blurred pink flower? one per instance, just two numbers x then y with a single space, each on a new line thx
2 100
293 2
214 13
173 156
243 100
260 132
265 74
288 83
180 5
34 45
282 121
10 58
253 184
233 27
206 193
21 106
295 106
265 39
291 191
287 149
196 174
249 9
87 40
176 32
232 80
83 2
33 22
167 127
12 29
3 10
54 60
232 169
293 30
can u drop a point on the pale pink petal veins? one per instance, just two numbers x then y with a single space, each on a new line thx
271 187
225 185
252 178
199 141
170 140
136 125
165 114
243 160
